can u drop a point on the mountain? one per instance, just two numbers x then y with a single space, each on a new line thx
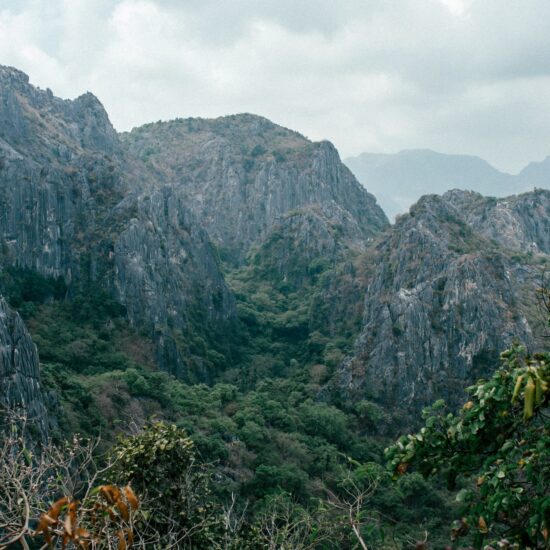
399 180
240 174
536 174
453 282
237 246
76 205
145 216
235 280
289 220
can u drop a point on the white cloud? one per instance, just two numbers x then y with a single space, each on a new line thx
458 8
454 75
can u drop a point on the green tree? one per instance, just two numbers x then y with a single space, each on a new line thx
497 448
160 464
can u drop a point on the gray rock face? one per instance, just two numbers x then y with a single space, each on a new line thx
241 174
442 302
78 204
269 197
520 222
165 266
162 246
20 373
55 128
75 204
57 178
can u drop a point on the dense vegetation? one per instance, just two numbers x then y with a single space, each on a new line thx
497 449
292 320
264 437
258 461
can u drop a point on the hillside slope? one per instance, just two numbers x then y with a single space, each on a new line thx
240 174
446 293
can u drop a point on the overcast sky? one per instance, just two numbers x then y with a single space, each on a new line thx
458 76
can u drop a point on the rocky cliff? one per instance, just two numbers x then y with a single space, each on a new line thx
167 274
20 389
283 211
444 297
520 222
155 216
136 216
76 205
57 179
241 174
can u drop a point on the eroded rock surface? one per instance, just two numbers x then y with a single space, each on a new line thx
20 388
442 301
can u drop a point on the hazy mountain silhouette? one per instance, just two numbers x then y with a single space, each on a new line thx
399 180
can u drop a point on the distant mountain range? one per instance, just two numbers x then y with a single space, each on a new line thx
399 180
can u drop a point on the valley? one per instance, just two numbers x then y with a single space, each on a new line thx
233 279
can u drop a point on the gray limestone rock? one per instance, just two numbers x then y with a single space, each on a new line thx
20 389
241 174
441 303
75 204
520 222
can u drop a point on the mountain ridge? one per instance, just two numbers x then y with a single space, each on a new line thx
98 209
240 173
400 179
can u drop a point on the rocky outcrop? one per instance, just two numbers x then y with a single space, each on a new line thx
282 208
137 218
442 302
76 205
520 222
20 389
53 128
241 174
167 274
58 177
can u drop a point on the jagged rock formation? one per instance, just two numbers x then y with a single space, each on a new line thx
520 222
76 205
20 388
282 208
168 275
129 216
240 174
443 299
54 174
